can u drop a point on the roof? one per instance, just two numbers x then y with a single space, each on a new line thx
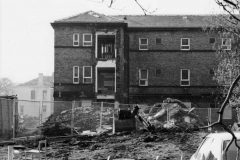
47 81
90 16
224 135
157 21
164 21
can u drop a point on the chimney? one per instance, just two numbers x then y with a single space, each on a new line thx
40 79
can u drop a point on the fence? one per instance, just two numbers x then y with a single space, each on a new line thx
31 117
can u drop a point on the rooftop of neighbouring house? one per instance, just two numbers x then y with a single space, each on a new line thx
41 80
139 20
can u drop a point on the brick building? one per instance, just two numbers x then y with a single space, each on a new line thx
134 59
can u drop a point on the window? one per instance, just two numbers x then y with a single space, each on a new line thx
158 40
227 113
44 94
211 40
75 74
87 74
33 94
143 77
143 44
211 72
87 39
157 72
75 39
185 43
185 77
21 110
226 44
44 109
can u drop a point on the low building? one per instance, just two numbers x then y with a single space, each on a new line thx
35 95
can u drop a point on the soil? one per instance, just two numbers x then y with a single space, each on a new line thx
139 145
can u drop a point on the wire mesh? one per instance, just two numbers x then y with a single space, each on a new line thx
108 116
86 116
78 116
28 118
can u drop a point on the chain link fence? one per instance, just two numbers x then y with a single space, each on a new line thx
22 118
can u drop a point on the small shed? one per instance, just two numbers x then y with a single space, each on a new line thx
6 116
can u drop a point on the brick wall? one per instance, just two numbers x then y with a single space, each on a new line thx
168 57
67 56
171 40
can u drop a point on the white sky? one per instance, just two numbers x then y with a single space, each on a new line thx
26 36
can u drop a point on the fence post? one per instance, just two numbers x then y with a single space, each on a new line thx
14 118
167 115
40 116
101 110
72 121
10 152
40 112
113 121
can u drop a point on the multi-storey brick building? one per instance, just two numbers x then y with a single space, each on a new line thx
134 59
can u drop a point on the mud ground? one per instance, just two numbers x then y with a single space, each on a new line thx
140 145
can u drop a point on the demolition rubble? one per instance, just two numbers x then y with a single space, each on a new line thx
167 130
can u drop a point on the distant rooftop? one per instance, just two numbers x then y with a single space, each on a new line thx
163 21
46 81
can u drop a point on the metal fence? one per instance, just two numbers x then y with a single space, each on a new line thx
78 117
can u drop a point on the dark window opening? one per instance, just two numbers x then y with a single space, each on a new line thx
212 40
157 71
158 41
106 80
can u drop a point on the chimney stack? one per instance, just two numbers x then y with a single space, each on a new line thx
40 79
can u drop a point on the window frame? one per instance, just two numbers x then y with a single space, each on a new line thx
33 96
74 40
44 109
143 44
185 45
181 78
146 80
87 41
87 77
230 45
74 74
44 94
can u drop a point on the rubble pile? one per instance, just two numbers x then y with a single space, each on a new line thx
173 114
84 119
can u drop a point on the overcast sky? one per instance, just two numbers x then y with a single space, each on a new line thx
26 36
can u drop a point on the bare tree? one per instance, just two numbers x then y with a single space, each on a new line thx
110 3
6 86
